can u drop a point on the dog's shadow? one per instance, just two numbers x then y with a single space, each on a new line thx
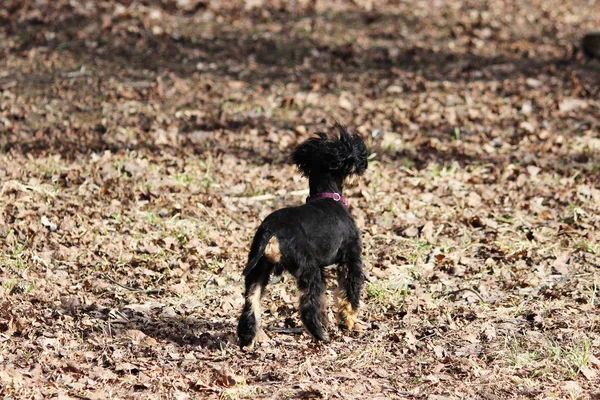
166 326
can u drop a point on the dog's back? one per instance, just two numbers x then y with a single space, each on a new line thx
316 231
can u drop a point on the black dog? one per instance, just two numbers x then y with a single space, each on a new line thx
305 239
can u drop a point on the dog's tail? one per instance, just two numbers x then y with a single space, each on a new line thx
259 244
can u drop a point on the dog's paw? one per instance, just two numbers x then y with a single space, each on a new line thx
249 343
323 339
360 326
346 316
346 321
247 347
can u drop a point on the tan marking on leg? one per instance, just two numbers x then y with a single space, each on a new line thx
345 314
272 252
254 299
323 304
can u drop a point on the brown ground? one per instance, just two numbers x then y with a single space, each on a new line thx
141 143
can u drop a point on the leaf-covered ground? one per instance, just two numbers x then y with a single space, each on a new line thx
141 143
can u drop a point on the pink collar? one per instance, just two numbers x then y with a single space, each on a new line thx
334 196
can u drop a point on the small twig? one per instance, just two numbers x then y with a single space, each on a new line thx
408 171
70 43
81 234
455 292
138 84
75 74
132 290
392 237
209 213
260 197
79 396
301 192
286 331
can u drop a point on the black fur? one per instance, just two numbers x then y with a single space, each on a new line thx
311 236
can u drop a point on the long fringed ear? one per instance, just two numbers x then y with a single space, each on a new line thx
354 154
307 155
345 155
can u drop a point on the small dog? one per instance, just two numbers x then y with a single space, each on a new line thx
304 239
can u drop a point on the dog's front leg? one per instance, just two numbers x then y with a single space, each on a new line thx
347 295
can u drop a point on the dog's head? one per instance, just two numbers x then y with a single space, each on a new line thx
340 156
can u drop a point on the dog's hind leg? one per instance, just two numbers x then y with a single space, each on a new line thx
256 281
323 303
347 295
311 283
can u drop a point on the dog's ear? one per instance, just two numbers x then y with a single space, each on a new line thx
344 155
353 154
308 156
